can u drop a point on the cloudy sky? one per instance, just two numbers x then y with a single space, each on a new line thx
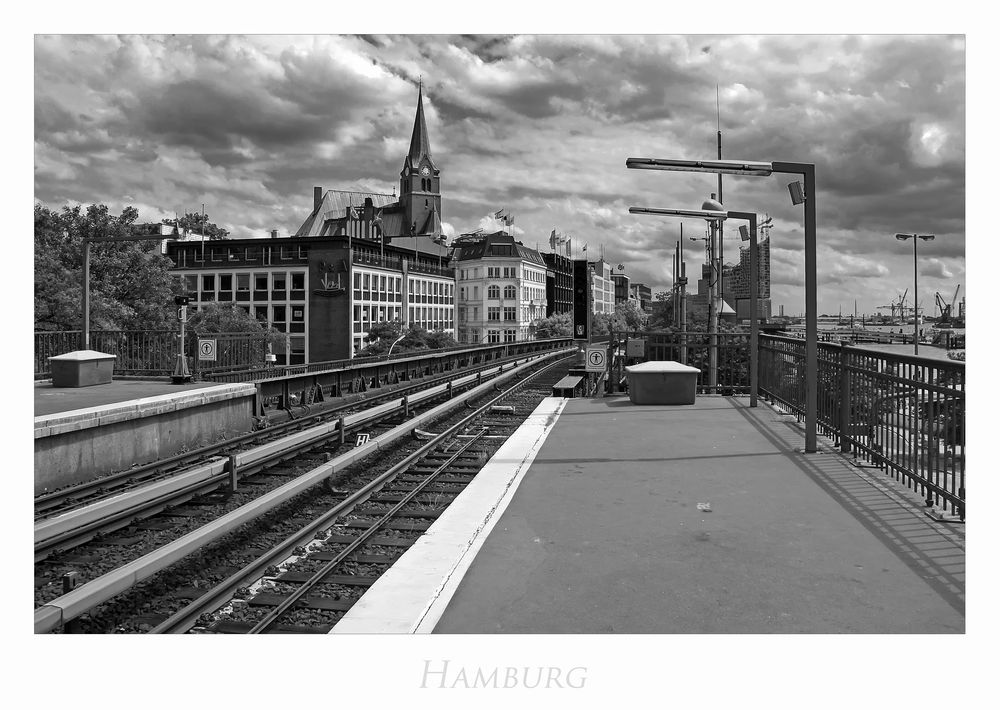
539 124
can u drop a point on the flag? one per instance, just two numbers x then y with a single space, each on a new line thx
585 247
508 220
352 213
498 213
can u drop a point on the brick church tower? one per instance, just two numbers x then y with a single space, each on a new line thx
419 180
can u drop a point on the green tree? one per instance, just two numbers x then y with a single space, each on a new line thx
131 287
630 315
382 335
218 318
558 325
194 222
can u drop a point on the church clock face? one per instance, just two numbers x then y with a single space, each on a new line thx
425 171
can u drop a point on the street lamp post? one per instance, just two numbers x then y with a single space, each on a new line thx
916 299
763 169
718 216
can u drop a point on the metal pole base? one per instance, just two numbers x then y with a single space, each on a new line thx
181 373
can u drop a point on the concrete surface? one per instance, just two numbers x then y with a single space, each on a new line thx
609 533
411 596
50 400
76 445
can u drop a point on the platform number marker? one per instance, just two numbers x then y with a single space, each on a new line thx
206 349
597 359
362 439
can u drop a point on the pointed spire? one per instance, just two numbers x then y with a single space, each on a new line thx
420 143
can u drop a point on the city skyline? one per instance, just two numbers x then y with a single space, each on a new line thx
537 124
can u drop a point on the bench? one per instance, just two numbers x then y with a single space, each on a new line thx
567 386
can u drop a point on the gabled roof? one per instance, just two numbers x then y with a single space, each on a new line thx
424 244
432 225
497 244
334 206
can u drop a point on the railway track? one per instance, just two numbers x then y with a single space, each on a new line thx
60 501
58 534
275 510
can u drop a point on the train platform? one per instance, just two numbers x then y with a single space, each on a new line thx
599 516
84 432
56 400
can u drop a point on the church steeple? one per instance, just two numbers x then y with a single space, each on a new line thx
419 180
420 144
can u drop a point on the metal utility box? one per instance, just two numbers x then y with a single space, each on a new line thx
82 368
635 347
662 382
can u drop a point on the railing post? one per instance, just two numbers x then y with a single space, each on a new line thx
845 402
233 479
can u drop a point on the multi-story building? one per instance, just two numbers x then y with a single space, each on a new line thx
358 259
558 284
623 290
603 288
501 288
736 282
644 295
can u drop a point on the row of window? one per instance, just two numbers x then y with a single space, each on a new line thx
388 288
195 255
509 293
494 313
267 286
428 317
508 335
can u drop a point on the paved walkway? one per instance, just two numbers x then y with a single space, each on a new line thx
606 533
52 400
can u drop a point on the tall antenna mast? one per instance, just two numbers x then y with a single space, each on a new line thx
722 251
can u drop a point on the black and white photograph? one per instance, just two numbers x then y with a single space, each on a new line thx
518 345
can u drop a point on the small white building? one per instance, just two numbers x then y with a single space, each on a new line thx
603 287
501 288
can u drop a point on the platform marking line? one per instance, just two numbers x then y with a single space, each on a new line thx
412 595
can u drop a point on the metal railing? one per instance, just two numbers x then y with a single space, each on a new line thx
257 374
694 349
902 413
49 343
152 352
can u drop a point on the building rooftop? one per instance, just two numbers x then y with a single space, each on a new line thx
497 244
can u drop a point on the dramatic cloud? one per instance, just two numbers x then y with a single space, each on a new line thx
538 124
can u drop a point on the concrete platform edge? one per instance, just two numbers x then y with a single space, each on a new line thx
77 419
412 596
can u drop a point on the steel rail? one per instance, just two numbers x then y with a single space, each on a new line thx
292 599
110 513
47 501
184 619
71 605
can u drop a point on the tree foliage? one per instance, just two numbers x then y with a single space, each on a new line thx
558 325
130 284
382 335
194 222
219 318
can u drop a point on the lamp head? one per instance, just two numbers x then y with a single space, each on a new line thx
797 192
713 205
904 237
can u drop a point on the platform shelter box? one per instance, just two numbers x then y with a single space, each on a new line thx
662 382
82 368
